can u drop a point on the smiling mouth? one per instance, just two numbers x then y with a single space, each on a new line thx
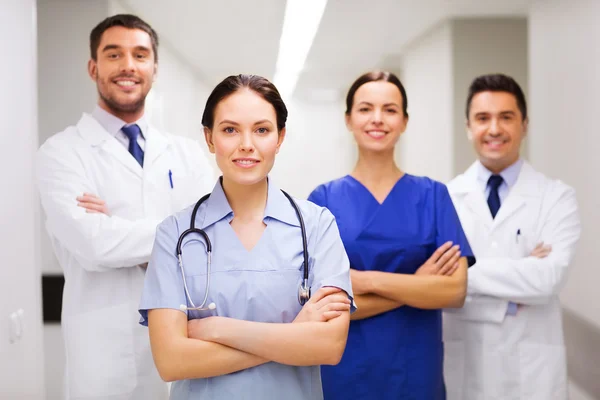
376 134
246 162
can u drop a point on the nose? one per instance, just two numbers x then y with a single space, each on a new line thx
246 143
377 116
494 129
127 63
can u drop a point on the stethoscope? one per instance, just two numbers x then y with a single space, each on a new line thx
303 289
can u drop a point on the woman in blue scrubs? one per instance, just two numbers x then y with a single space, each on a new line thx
407 251
254 340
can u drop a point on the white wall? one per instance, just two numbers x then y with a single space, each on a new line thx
21 362
565 83
426 148
318 147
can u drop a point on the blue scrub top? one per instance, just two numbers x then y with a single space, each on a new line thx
258 285
397 354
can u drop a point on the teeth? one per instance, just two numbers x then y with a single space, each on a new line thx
245 161
376 134
126 83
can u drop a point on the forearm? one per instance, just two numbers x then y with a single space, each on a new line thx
300 344
178 357
422 291
193 359
530 280
369 305
100 242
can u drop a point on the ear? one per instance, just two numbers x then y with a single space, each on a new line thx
155 72
280 139
92 69
209 140
525 127
468 129
347 119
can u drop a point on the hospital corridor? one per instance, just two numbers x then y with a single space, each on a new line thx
300 199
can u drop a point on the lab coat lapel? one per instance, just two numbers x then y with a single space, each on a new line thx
97 136
156 144
474 198
524 189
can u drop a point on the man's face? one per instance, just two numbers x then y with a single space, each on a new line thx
496 128
124 70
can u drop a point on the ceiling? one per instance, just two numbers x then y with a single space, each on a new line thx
224 37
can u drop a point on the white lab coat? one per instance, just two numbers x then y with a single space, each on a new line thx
108 353
488 354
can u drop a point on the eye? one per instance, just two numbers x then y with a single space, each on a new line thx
142 56
482 118
229 130
391 111
263 130
113 56
507 117
363 109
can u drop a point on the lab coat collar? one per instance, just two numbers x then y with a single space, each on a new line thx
526 187
97 136
278 206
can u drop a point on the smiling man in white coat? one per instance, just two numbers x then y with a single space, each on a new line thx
105 184
507 340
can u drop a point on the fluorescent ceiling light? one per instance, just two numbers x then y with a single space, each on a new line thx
300 23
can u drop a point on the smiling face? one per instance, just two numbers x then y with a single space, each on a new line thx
496 127
123 71
376 118
244 137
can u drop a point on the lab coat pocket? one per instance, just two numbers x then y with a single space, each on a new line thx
454 369
542 371
100 352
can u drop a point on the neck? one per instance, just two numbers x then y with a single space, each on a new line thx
497 167
376 167
126 116
248 202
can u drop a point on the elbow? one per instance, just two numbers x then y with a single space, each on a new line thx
334 350
458 294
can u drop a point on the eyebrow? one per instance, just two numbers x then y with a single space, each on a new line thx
117 47
385 105
508 112
229 122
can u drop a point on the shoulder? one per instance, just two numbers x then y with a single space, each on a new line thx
425 186
176 223
334 189
61 140
549 188
315 216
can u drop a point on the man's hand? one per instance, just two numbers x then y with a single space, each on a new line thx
444 261
327 303
92 204
541 250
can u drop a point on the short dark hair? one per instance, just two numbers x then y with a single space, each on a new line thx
374 76
257 84
497 83
127 21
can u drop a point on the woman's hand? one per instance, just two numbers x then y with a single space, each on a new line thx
361 282
327 303
444 261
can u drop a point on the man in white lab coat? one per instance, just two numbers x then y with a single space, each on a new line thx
507 341
105 184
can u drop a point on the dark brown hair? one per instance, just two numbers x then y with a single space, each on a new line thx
374 76
127 21
497 83
257 84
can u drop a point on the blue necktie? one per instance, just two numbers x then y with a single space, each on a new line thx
494 198
132 132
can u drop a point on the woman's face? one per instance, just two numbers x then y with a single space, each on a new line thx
244 137
376 118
